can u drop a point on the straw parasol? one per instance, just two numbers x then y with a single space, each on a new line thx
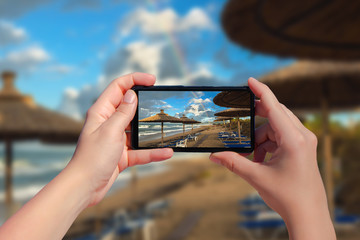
21 118
161 117
186 120
235 112
234 99
323 86
314 29
219 119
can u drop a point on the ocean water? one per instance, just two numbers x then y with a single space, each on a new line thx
151 131
35 164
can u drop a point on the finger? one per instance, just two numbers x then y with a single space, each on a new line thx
138 157
262 149
268 106
292 116
124 113
235 163
264 133
112 96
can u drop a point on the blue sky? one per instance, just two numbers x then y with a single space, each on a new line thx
198 105
65 52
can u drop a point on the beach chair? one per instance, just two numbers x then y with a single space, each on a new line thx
258 219
345 223
181 143
157 207
192 137
238 145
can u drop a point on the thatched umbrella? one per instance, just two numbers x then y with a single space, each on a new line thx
322 86
219 119
314 29
186 120
235 112
161 117
234 99
21 118
192 124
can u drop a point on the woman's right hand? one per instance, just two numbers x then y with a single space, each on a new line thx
289 182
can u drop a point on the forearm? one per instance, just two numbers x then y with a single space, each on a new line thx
310 223
52 211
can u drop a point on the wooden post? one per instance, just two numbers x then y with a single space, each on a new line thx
239 126
183 130
327 157
162 133
8 172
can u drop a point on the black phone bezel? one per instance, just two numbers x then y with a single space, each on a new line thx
134 122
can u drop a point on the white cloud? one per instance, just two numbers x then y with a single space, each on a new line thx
136 56
195 19
69 104
167 20
200 100
9 34
24 60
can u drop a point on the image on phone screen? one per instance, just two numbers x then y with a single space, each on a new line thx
195 119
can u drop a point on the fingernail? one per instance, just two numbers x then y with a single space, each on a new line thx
129 96
253 78
215 160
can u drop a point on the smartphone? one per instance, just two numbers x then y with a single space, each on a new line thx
194 118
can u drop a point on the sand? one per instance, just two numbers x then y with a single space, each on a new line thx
208 138
194 186
157 142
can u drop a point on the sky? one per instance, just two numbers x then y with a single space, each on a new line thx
198 105
66 52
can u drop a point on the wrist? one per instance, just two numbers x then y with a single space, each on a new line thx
310 221
77 183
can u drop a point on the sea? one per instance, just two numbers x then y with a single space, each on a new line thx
152 131
35 164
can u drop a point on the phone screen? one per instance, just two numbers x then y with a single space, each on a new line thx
196 119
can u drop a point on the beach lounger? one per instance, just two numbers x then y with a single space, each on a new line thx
238 145
192 138
235 142
158 207
181 143
260 224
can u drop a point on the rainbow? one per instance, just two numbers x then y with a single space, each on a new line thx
176 48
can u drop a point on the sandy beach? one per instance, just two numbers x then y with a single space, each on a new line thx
195 187
157 142
207 137
192 185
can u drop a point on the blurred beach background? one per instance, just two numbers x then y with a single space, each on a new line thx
63 53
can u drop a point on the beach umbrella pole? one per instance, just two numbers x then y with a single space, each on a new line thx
328 163
183 130
239 126
8 172
162 133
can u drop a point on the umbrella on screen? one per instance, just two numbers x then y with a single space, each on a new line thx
233 99
161 118
186 120
235 112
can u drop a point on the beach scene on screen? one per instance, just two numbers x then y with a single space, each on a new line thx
194 119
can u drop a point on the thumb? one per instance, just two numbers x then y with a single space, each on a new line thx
236 163
124 113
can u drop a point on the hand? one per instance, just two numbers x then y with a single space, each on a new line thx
103 151
289 182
